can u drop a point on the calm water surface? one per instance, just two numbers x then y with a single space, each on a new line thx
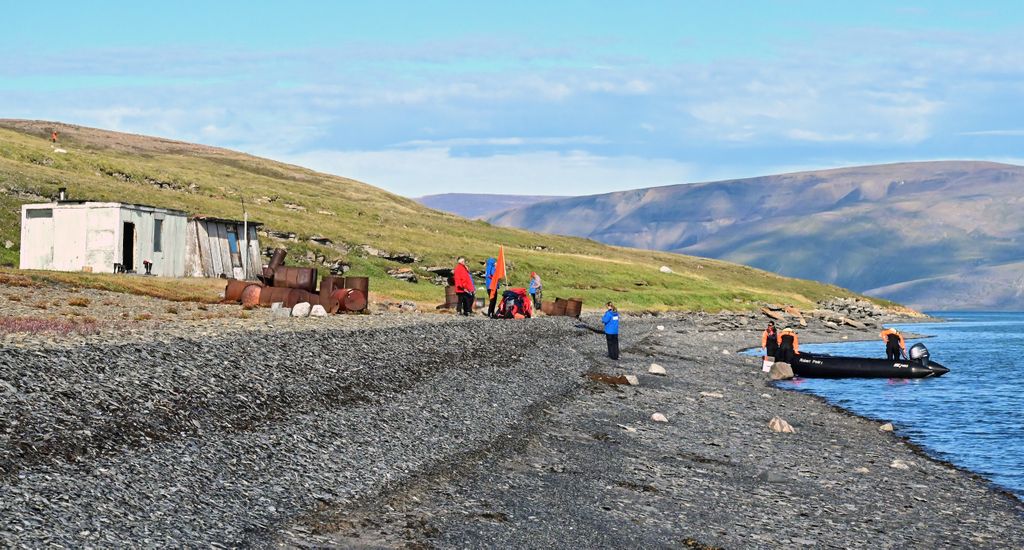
973 416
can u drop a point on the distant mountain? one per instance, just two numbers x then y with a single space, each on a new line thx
933 235
469 205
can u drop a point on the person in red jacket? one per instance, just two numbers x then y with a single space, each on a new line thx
464 288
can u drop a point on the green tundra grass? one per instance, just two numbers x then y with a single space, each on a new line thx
109 166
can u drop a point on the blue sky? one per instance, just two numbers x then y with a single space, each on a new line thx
533 97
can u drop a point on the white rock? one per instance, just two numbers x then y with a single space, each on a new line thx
665 269
766 395
629 429
887 427
281 312
713 394
276 305
632 379
899 465
726 352
658 417
862 470
660 327
318 311
301 309
779 425
8 245
656 369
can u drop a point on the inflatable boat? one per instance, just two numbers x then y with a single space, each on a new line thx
818 365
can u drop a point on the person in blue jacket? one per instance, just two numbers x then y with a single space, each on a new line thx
535 289
611 330
489 270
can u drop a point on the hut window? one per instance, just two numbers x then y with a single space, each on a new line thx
39 213
236 258
158 236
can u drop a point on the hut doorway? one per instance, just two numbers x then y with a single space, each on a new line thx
128 247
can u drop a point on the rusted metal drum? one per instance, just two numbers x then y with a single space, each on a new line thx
277 260
548 307
350 299
251 295
358 283
330 283
234 288
559 308
302 278
330 303
574 307
297 296
272 294
451 298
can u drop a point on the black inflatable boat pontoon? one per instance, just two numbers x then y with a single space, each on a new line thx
810 365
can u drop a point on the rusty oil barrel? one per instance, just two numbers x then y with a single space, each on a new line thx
302 278
277 260
251 295
358 283
330 283
548 307
574 307
297 296
451 298
272 294
234 288
559 308
350 299
330 303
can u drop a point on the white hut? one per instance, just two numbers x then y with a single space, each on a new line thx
112 237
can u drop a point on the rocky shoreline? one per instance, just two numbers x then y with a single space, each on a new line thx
432 431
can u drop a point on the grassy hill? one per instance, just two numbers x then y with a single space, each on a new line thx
102 165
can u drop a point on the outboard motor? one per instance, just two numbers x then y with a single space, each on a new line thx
919 353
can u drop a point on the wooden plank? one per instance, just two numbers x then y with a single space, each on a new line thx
225 251
212 241
203 241
255 257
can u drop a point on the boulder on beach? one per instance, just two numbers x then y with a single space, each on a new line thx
318 311
656 369
658 417
301 309
780 371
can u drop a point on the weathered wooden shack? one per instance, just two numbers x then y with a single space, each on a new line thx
218 246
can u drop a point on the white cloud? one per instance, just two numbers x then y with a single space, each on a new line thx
503 141
435 170
1005 133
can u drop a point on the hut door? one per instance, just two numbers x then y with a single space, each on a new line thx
128 247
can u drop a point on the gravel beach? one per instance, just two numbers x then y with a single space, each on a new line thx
418 430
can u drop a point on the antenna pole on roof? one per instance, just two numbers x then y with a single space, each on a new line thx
245 230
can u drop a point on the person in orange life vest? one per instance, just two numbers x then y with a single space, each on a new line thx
464 288
789 346
53 136
895 346
770 340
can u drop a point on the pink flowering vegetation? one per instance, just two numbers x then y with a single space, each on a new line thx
51 325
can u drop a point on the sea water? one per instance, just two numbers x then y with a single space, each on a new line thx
972 416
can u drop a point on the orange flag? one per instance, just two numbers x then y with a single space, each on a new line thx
499 272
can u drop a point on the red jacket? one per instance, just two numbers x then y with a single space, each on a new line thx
463 280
